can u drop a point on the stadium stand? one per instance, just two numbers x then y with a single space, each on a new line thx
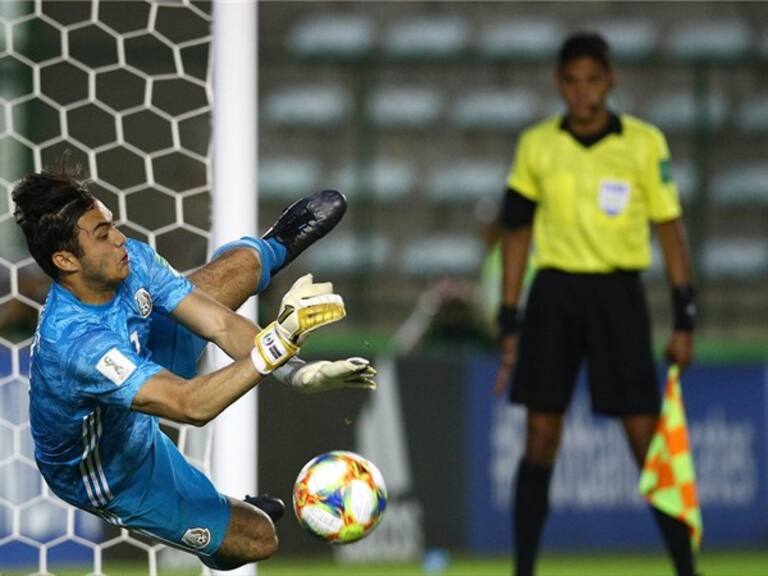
762 44
629 39
405 106
466 180
677 111
348 254
426 37
496 109
387 180
432 97
443 255
520 38
340 36
319 106
742 184
711 40
287 177
753 114
736 259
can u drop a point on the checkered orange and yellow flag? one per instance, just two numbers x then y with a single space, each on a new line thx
668 480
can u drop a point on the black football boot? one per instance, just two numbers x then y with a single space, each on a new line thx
273 506
306 221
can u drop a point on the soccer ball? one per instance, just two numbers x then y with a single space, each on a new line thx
339 497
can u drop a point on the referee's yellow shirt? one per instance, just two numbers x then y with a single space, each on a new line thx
594 203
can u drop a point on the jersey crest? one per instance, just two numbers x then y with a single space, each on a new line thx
143 302
196 537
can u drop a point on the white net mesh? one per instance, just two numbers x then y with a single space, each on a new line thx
123 88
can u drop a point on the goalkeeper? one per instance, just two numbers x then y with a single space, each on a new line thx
106 364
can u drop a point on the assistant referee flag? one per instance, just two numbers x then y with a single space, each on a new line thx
668 480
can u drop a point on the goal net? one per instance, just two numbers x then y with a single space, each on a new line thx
121 89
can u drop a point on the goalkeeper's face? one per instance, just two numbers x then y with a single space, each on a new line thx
104 259
584 84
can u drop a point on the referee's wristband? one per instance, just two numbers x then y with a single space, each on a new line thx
684 308
508 320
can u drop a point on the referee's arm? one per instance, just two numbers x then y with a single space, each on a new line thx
674 247
516 220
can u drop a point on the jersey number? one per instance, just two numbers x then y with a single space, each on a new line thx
135 340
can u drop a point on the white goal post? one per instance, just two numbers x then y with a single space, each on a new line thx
234 215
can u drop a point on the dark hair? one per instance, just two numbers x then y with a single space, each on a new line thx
584 44
48 206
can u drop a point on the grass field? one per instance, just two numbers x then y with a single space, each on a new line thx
712 564
754 563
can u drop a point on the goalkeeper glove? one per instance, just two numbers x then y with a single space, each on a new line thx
305 307
327 375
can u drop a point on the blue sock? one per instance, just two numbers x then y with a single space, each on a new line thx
280 251
272 254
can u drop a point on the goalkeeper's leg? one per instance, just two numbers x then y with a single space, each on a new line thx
250 537
243 268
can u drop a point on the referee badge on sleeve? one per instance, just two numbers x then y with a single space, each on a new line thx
614 196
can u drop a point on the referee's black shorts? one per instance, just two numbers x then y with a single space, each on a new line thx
602 318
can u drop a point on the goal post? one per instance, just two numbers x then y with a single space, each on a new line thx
234 215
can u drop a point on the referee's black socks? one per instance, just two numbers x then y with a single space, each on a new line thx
531 499
677 541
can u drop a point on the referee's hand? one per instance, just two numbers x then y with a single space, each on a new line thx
508 361
680 349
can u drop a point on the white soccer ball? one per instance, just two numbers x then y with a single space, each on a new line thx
339 497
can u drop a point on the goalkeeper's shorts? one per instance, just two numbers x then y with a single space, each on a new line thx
173 502
600 318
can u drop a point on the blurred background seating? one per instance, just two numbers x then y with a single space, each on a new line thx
414 109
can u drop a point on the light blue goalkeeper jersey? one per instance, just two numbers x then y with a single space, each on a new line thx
88 362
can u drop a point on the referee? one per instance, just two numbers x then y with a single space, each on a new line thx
586 185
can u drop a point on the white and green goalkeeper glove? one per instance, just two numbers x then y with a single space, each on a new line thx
305 307
323 375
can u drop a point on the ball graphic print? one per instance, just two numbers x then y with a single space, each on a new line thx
339 497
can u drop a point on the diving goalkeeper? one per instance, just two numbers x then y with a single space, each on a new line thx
116 347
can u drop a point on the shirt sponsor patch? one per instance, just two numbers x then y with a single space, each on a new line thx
614 196
115 366
196 537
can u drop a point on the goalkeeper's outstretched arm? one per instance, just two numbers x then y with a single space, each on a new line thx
214 322
306 307
199 400
233 334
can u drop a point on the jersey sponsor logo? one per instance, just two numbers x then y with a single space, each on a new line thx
143 302
196 537
115 366
614 196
